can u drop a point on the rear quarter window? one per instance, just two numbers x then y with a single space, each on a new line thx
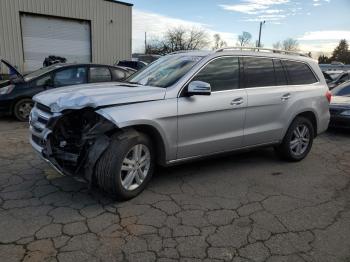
299 73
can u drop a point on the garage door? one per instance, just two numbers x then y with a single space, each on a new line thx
44 36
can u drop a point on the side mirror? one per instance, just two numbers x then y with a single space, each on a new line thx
199 88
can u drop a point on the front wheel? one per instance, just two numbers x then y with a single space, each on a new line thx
22 109
127 165
298 140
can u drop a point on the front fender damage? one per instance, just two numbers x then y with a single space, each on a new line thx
77 140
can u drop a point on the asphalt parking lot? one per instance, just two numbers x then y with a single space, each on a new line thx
242 207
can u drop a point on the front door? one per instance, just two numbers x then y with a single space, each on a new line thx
211 124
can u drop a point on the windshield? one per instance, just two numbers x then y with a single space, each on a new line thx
165 71
40 72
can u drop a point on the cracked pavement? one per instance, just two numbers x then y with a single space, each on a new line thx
242 207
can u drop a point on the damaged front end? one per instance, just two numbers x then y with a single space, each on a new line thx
72 141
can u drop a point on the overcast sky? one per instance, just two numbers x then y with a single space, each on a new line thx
317 24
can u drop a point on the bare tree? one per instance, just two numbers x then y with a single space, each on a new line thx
290 44
277 45
244 39
218 42
177 39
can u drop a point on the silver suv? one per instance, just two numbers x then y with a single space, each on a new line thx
184 106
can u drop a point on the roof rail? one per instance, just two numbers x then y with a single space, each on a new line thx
259 49
183 51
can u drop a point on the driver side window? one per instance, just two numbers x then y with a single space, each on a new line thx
44 81
221 74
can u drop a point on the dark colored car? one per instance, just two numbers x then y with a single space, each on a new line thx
327 77
134 64
147 58
340 106
341 78
16 94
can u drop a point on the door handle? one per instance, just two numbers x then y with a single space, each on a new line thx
285 97
237 101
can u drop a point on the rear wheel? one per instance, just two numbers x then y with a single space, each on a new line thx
298 141
127 165
22 109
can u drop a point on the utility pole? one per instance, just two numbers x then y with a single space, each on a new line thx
145 42
261 24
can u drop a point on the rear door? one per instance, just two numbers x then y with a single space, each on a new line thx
268 97
210 124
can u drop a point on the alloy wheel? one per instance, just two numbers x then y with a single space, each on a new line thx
135 167
300 140
24 109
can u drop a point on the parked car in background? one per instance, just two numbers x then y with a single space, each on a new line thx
327 77
133 63
341 78
340 106
184 106
147 58
16 94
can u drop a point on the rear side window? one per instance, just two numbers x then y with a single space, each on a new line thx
280 74
70 76
221 74
299 73
100 74
258 72
118 74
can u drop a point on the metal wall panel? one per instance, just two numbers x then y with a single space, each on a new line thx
110 26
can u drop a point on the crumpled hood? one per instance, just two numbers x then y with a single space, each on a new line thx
97 95
340 101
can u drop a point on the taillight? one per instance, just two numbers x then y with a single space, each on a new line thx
329 96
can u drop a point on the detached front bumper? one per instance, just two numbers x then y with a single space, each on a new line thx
39 120
71 142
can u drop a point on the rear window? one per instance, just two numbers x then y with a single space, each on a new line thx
258 72
299 73
342 90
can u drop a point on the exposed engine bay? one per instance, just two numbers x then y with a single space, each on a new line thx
76 141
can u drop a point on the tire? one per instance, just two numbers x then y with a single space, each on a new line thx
108 169
22 109
289 148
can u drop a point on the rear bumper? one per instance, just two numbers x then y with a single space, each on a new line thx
340 121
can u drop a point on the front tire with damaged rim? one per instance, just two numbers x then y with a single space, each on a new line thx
127 165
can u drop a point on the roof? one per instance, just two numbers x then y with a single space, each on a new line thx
120 2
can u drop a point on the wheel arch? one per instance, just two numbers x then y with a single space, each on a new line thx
308 114
15 101
148 127
156 138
